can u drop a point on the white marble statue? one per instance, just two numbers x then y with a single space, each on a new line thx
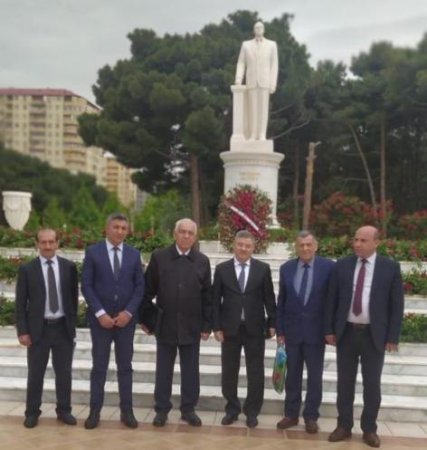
258 66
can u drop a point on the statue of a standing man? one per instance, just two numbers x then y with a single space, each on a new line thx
258 64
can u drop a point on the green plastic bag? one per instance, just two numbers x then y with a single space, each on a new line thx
279 369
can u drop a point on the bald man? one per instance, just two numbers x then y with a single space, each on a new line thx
363 317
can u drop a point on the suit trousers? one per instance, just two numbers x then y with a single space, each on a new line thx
258 100
231 348
123 349
190 379
313 356
56 339
356 343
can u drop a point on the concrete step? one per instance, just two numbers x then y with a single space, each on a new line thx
404 383
210 375
393 408
210 355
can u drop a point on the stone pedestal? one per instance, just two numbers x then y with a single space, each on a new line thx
258 169
17 208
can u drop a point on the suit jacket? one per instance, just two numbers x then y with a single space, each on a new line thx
182 287
257 299
385 305
31 297
258 63
102 291
296 321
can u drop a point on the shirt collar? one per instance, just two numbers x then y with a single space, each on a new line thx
310 263
237 263
110 246
371 259
180 253
43 260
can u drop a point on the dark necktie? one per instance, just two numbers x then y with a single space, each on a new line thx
241 279
51 285
116 263
304 282
357 302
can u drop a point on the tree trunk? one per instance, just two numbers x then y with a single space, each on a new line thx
295 188
367 171
383 199
195 193
308 184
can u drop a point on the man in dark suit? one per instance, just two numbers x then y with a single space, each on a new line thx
242 295
300 309
113 286
179 277
46 311
363 317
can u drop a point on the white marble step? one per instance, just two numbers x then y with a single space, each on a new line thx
396 364
210 375
413 409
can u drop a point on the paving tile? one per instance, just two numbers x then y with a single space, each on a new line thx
8 408
406 429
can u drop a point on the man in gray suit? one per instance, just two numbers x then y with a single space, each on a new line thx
258 64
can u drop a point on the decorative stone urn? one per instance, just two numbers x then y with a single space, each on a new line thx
17 208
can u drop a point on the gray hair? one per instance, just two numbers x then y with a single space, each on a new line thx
306 233
116 216
185 221
244 234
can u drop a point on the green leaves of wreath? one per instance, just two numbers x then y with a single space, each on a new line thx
244 208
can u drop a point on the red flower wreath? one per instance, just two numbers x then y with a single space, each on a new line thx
244 208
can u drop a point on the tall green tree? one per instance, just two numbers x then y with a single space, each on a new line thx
167 109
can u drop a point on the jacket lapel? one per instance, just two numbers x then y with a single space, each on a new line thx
106 257
39 274
63 281
251 275
230 274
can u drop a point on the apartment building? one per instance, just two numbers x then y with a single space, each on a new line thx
43 123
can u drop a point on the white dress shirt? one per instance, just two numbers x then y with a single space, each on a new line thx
238 268
364 316
48 314
110 248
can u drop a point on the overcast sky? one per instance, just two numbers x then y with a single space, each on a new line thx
63 43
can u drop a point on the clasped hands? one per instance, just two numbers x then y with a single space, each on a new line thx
120 321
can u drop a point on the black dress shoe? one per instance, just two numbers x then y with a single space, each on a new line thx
93 420
251 421
228 419
287 422
339 434
160 419
128 419
311 426
31 421
192 419
371 439
67 418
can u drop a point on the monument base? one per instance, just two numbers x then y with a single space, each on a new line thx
256 168
240 144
